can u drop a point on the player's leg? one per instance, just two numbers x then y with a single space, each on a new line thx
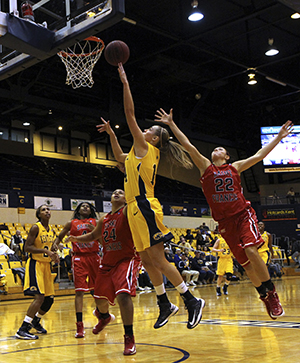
155 254
103 315
48 300
126 309
227 278
220 280
24 330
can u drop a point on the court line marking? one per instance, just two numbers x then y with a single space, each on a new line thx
185 354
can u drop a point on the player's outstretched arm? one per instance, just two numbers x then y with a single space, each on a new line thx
245 164
116 148
140 144
200 161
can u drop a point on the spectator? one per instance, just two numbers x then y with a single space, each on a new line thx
296 251
189 236
198 263
65 264
177 256
17 239
203 227
191 276
183 244
144 280
5 250
290 195
283 243
199 240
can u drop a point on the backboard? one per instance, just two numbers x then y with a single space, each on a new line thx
70 20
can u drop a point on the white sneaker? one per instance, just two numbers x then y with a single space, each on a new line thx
192 283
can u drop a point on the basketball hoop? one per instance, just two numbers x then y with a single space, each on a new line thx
80 61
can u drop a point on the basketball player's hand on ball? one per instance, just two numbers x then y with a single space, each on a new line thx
105 127
122 73
164 117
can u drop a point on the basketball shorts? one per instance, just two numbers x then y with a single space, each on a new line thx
85 269
240 232
145 218
225 265
38 278
266 256
121 278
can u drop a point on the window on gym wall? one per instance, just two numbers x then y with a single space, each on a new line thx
4 133
48 143
20 135
78 147
15 135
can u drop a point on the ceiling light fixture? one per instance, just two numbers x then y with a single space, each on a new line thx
252 81
271 49
26 123
195 15
295 16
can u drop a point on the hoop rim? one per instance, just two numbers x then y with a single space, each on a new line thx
92 38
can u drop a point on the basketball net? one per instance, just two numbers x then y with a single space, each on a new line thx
80 60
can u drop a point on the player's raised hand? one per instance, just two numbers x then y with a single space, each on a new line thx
164 117
105 127
286 129
122 73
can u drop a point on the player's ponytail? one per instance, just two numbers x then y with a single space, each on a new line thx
175 153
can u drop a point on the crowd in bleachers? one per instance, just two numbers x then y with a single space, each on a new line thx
189 250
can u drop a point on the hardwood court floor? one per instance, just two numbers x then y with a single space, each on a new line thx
234 328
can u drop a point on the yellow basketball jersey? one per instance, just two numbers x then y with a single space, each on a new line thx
265 246
141 174
226 254
44 239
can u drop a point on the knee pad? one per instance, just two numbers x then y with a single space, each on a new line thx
48 301
228 276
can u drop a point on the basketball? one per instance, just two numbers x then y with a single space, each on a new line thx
116 52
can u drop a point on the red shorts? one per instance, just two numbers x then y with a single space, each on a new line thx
85 267
240 232
112 281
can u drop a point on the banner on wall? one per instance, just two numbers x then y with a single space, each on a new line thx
282 214
3 200
52 203
178 211
106 206
75 202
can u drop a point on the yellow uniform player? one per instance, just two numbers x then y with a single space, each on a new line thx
225 265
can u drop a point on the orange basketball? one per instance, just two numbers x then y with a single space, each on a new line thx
116 52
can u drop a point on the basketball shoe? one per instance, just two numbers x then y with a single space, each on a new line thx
102 324
219 291
273 305
23 333
80 330
166 310
37 326
194 308
129 345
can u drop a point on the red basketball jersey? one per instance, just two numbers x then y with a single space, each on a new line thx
223 191
116 239
80 227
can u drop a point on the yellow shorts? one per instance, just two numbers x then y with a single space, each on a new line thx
265 255
145 218
38 278
225 265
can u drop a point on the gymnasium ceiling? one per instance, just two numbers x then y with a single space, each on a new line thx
199 69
